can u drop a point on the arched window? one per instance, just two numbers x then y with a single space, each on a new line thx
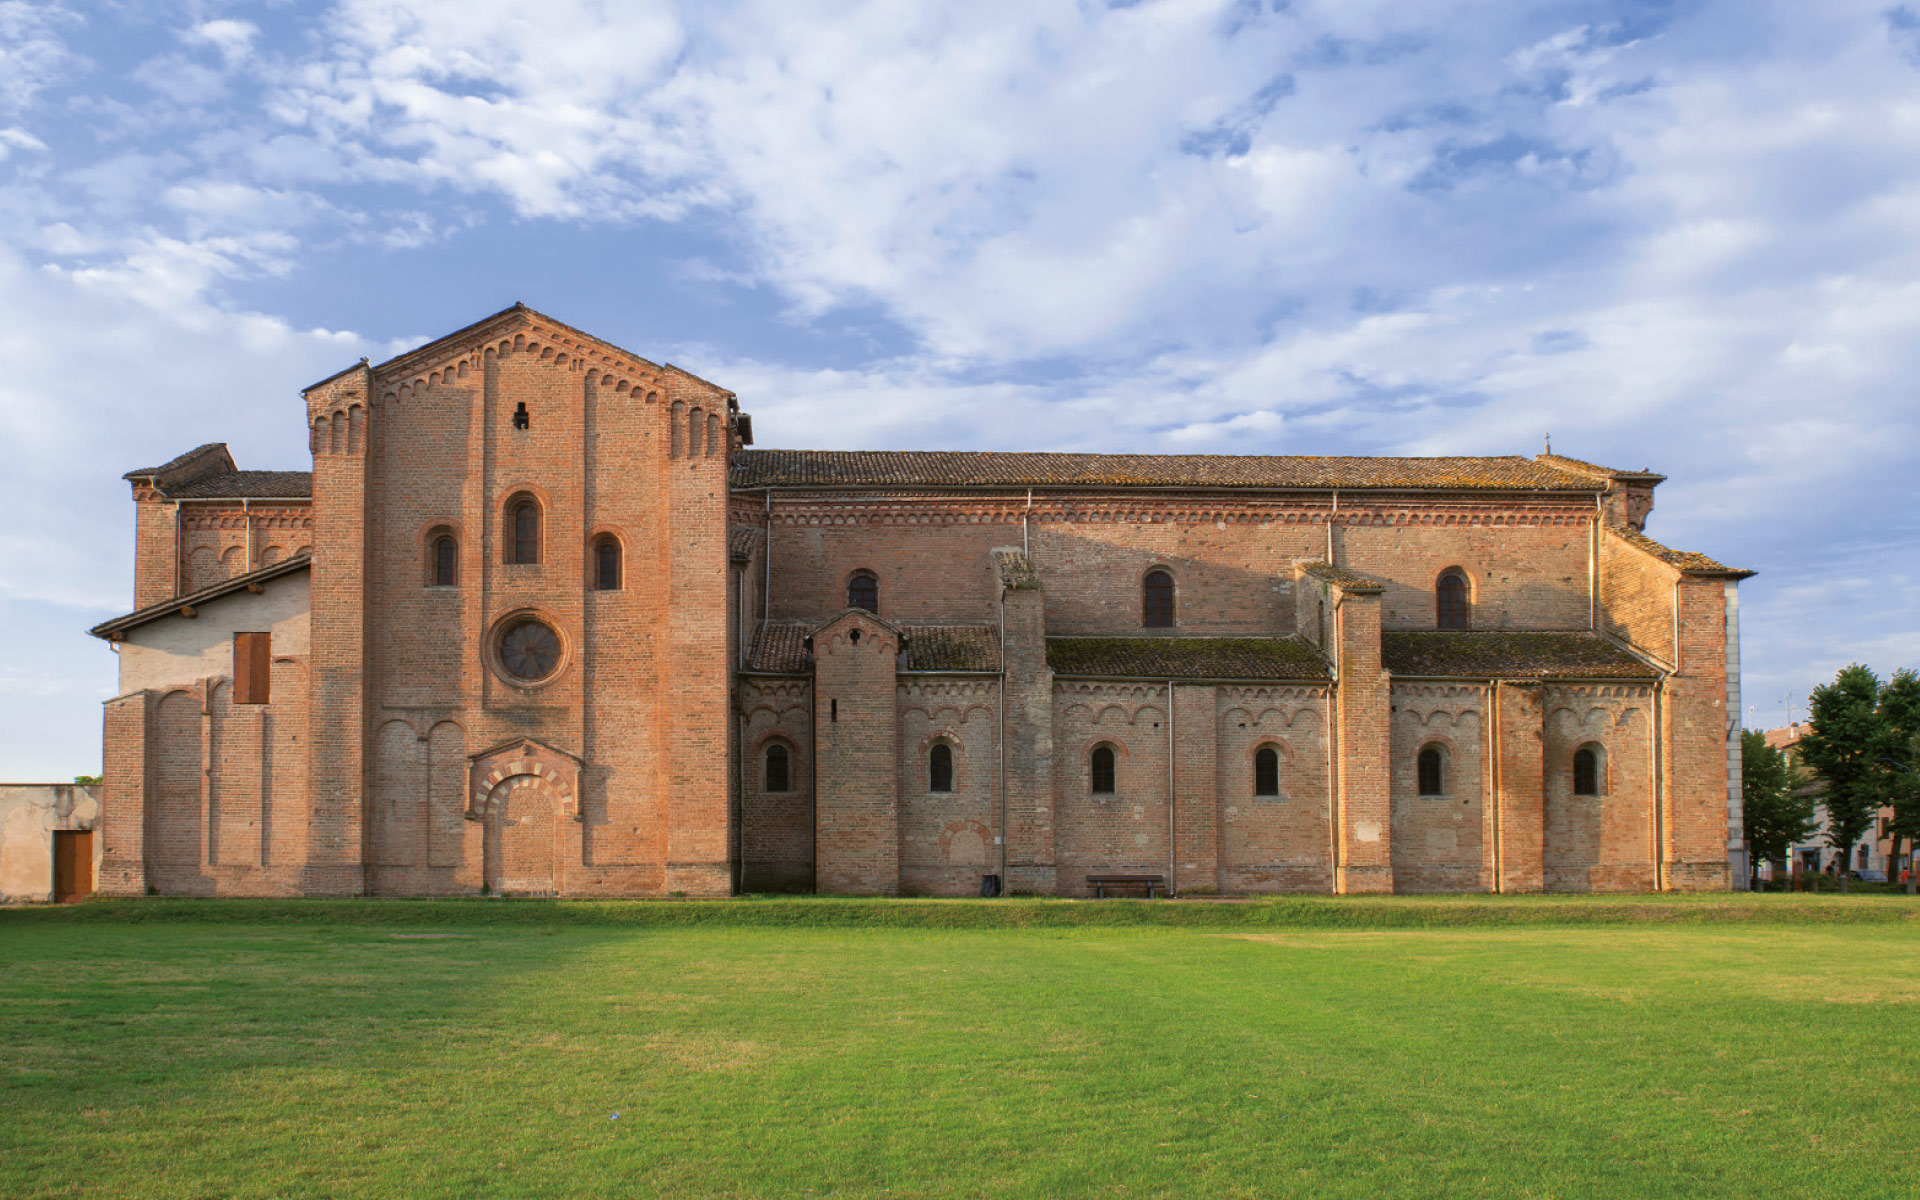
1156 600
606 564
443 564
1433 771
940 768
779 771
523 530
1266 772
1100 771
1586 771
863 591
1450 600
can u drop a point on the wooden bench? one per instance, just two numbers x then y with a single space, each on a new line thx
1100 883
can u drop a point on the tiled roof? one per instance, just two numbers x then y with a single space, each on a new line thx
780 648
943 468
176 462
1685 560
1587 468
1340 577
1016 570
1185 658
240 485
1476 655
168 608
952 647
741 541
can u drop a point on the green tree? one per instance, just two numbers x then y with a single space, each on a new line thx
1900 713
1845 741
1776 815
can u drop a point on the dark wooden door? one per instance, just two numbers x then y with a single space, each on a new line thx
72 864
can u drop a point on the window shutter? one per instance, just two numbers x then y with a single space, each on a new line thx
252 667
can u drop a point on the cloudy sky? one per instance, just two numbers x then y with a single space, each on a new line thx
1678 236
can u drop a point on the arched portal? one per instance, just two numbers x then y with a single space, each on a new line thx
526 837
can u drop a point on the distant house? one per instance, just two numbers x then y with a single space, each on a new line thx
1814 854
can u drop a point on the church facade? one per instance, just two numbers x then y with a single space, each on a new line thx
540 621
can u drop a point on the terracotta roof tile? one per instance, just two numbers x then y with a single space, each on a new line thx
1587 468
1340 577
952 647
177 461
1185 658
740 543
1016 571
1490 655
1685 560
780 648
919 468
239 485
168 608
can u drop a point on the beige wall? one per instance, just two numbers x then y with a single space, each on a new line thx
180 651
29 813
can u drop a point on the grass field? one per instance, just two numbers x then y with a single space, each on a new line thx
1723 1046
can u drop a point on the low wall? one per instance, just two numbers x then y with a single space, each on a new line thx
29 815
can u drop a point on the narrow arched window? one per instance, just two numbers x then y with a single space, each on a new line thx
523 531
1266 772
1586 772
863 591
1450 600
779 772
1100 771
606 565
1433 772
446 561
1156 600
940 768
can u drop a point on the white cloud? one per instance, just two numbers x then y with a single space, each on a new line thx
33 50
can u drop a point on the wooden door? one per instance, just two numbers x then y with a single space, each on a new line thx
72 864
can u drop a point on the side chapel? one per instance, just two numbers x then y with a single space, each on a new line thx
538 621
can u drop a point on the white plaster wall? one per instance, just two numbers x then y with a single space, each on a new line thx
178 651
29 813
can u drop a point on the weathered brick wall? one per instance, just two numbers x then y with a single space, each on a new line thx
1601 843
1362 715
1527 564
156 547
1695 711
1124 832
1033 813
1441 843
776 828
1520 821
126 789
1636 596
857 756
1273 843
1196 789
946 838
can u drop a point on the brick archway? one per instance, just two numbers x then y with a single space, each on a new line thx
525 841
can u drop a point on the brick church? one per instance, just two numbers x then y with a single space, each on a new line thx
538 622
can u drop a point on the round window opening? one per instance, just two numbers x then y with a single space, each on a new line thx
529 650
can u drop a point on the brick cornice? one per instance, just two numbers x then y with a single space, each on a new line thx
815 509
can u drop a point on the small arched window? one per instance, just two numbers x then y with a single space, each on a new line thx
779 769
1266 772
443 567
1433 771
1586 771
1450 600
523 530
1100 771
1156 600
940 768
606 564
863 591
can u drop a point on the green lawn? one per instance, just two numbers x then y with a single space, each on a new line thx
1750 1046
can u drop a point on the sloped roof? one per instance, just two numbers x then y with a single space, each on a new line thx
1584 467
180 460
226 587
1689 561
741 540
1016 569
239 485
780 648
945 468
1185 658
1340 577
1494 655
952 647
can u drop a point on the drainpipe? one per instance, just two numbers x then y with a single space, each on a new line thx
1330 519
1172 852
1333 788
1659 785
813 774
766 568
246 514
1002 839
1493 785
1026 519
1593 567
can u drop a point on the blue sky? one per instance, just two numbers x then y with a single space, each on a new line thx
1678 236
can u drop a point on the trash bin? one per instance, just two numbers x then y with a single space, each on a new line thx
989 886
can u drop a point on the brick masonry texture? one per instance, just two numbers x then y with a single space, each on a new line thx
400 755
